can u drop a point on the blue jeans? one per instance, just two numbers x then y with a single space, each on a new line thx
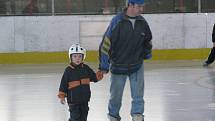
137 92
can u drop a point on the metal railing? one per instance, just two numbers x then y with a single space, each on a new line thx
71 7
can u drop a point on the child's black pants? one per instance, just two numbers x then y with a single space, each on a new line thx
79 112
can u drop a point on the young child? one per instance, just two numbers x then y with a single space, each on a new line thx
75 84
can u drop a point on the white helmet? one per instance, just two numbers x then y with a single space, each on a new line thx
76 48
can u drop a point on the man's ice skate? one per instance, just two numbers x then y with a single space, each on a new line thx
113 118
137 117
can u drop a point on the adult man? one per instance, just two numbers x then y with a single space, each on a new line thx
211 56
126 43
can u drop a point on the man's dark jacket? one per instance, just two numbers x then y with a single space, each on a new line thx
124 47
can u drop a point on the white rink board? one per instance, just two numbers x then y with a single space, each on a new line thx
167 30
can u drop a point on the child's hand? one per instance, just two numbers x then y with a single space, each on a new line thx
62 101
99 75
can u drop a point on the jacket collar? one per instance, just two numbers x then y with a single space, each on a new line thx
74 66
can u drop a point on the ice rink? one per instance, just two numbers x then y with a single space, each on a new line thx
174 91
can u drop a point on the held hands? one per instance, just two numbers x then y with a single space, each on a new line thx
99 75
